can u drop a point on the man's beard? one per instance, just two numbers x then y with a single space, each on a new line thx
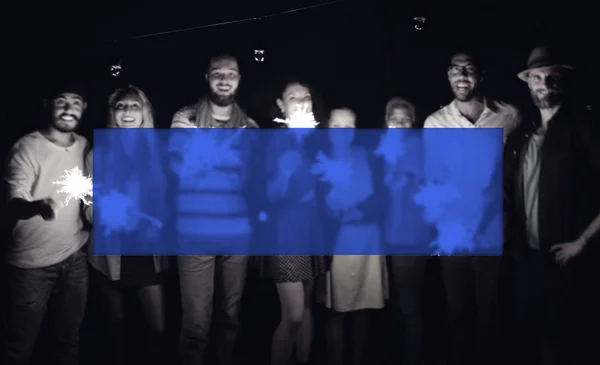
550 100
221 100
65 127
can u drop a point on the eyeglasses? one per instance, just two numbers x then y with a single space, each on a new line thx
224 76
468 70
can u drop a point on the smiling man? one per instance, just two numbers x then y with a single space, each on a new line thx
213 212
470 109
219 109
47 271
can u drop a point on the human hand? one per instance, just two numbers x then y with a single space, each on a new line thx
565 252
351 215
49 208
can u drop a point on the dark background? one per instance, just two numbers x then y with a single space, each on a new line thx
358 53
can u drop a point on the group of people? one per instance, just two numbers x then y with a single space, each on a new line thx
551 215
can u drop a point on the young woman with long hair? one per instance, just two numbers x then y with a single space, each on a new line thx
132 158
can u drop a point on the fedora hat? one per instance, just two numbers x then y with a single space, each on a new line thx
542 57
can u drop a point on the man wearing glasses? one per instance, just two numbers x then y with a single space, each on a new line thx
471 277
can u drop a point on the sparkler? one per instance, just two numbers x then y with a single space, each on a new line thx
435 199
75 185
337 173
390 148
118 213
453 234
453 237
204 150
301 118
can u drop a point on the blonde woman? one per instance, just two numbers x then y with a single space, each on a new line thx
128 161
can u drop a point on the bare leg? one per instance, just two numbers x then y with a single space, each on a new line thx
305 335
291 297
153 307
360 325
335 337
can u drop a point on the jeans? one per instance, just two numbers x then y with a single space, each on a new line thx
202 278
471 282
408 275
60 291
542 293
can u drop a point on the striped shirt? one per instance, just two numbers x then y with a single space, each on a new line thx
212 207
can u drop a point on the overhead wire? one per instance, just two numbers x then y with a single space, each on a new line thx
219 24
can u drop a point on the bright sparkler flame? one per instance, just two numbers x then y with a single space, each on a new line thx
118 213
337 173
204 151
435 198
390 148
76 186
301 118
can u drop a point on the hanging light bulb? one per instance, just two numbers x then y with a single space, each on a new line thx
420 22
259 55
115 70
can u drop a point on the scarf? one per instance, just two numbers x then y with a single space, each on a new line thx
204 118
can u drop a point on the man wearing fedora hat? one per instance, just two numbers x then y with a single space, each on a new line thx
47 272
552 169
471 109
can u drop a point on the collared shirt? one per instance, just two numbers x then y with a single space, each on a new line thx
496 114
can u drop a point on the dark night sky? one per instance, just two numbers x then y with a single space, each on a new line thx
357 52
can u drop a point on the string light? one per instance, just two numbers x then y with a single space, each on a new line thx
259 55
115 70
420 22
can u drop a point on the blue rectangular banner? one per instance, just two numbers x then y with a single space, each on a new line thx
298 192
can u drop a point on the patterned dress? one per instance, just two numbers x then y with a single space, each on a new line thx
296 224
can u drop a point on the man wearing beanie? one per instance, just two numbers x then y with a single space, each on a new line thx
46 271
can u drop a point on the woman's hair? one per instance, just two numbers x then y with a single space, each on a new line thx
147 109
400 103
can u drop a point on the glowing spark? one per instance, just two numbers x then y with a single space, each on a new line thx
118 213
453 237
75 185
301 118
204 151
435 199
390 148
337 173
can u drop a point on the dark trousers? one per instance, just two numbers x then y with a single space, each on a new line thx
542 298
201 278
60 291
408 275
471 285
